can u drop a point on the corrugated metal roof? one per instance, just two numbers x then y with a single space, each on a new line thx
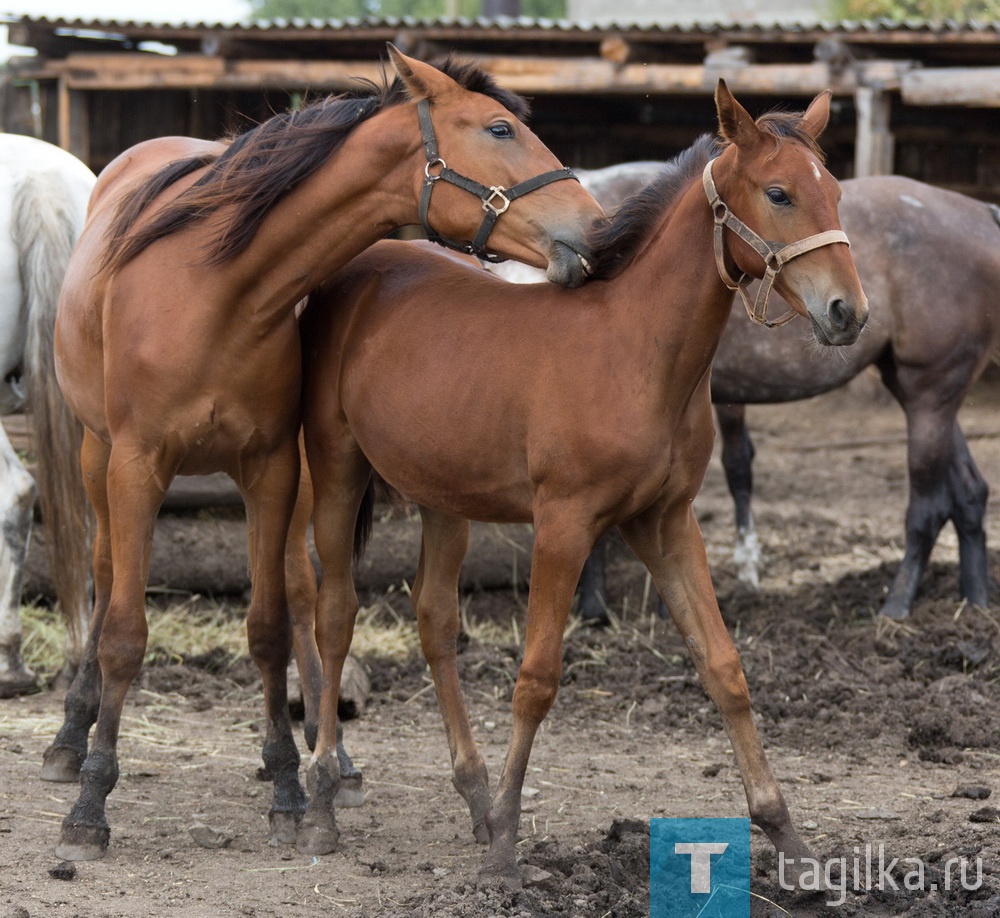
521 25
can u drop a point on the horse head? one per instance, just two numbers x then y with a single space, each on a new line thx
522 199
769 187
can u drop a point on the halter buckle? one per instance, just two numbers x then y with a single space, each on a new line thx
433 177
496 191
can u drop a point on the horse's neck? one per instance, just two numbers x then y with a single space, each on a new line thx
365 190
677 306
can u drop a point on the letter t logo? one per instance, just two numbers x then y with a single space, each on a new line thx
701 862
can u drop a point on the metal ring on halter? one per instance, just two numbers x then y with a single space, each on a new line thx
430 164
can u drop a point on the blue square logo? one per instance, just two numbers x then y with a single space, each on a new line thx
699 868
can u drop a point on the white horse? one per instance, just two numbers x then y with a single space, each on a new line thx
43 202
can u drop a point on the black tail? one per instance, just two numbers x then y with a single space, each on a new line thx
366 516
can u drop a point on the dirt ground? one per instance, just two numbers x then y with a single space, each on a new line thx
870 727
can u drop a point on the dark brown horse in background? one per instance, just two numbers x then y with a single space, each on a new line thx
929 260
576 411
177 346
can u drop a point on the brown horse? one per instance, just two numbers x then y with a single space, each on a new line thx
918 249
577 412
177 346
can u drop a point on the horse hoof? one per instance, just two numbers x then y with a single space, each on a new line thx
313 839
351 792
481 833
505 878
895 611
22 682
284 828
61 764
83 843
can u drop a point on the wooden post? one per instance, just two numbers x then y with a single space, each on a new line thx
873 145
74 121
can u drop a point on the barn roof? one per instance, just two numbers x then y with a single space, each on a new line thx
937 42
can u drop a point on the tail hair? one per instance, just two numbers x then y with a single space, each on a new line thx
377 489
44 229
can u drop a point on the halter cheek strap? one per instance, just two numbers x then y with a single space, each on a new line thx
775 254
496 199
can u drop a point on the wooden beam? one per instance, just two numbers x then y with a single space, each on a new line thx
532 75
972 86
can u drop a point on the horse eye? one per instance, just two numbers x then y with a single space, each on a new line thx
501 130
777 196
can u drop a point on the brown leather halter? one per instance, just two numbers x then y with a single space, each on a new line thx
496 199
775 254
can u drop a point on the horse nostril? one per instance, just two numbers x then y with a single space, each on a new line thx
840 315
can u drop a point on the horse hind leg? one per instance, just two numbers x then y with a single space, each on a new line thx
737 462
969 495
301 579
339 495
269 501
435 596
64 758
17 502
134 495
931 457
593 586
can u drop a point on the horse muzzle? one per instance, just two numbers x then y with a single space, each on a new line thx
570 263
840 321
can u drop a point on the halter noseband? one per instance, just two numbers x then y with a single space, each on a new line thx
775 254
496 199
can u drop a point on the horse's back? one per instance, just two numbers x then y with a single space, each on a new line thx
139 162
930 261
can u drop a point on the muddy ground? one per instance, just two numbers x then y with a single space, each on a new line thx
870 727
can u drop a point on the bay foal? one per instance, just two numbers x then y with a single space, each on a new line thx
576 411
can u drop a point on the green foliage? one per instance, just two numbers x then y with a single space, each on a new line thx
421 9
960 10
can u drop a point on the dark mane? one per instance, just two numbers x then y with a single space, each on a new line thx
616 242
262 165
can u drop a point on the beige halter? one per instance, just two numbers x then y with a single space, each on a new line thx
775 255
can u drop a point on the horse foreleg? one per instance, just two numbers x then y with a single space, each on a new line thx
338 498
561 547
17 502
444 543
737 461
669 542
64 758
135 488
269 485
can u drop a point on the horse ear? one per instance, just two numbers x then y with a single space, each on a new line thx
422 81
735 123
817 116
